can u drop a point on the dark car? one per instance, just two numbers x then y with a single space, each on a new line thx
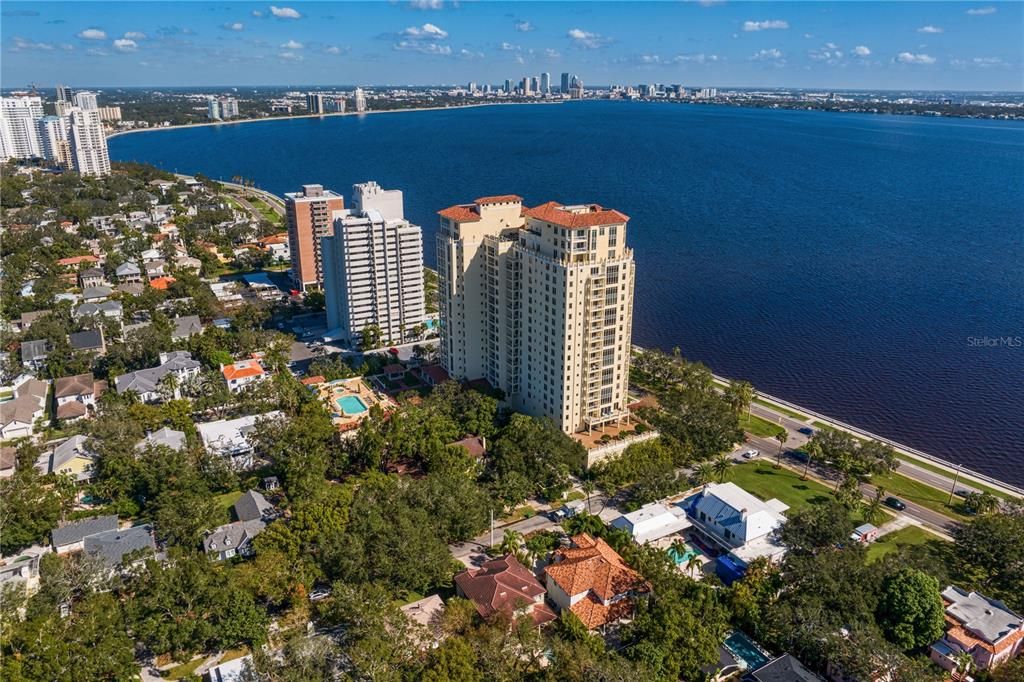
895 503
806 430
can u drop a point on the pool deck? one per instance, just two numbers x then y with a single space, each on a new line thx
332 391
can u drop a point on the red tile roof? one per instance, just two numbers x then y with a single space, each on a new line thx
475 445
500 585
591 566
552 212
437 374
162 283
463 213
242 370
311 381
393 368
499 199
75 260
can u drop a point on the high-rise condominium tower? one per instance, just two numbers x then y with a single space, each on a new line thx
540 303
53 136
545 83
88 142
309 214
85 99
360 100
19 126
315 102
373 267
63 93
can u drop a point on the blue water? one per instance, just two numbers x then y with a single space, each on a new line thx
841 261
745 650
351 405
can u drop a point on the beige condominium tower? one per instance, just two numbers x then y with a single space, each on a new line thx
310 218
539 302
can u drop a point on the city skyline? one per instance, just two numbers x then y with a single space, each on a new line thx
928 45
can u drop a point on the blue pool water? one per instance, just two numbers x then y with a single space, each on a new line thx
851 263
351 405
745 649
681 558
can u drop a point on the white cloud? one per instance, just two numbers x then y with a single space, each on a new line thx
770 24
234 26
552 53
930 29
831 46
285 12
421 47
773 54
524 26
125 45
92 34
21 44
697 58
425 32
987 61
862 51
981 11
334 49
586 39
508 47
829 54
135 35
469 55
910 58
292 45
290 57
257 13
426 4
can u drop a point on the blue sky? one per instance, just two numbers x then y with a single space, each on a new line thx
894 45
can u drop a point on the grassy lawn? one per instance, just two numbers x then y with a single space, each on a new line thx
232 654
224 502
185 669
779 408
758 426
911 535
945 472
763 480
919 493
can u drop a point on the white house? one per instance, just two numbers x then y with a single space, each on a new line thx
983 627
652 522
739 522
243 373
232 539
231 437
146 382
71 536
18 416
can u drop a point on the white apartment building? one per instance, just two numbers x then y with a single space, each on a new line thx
19 126
540 303
373 267
360 100
85 100
88 142
53 136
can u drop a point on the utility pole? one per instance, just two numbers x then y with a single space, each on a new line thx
952 488
492 528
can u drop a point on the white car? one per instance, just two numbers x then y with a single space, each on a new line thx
751 454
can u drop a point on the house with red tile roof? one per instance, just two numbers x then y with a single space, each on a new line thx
983 627
591 580
504 585
243 373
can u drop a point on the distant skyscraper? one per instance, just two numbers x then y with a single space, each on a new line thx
360 100
535 85
315 102
85 99
109 113
545 83
228 107
19 126
539 302
63 93
508 86
334 105
566 83
213 109
309 215
62 107
471 86
373 267
525 86
53 135
88 142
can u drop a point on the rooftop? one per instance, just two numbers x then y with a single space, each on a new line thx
576 217
243 369
501 584
989 619
76 531
112 545
79 384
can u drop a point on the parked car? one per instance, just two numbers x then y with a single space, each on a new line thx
895 503
319 594
557 515
806 430
751 454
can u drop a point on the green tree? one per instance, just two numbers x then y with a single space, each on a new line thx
816 527
781 437
989 555
370 337
739 395
721 466
453 661
910 609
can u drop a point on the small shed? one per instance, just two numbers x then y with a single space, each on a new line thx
865 533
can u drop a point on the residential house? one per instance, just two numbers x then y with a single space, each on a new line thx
128 273
231 671
227 293
148 382
591 580
109 309
426 613
155 269
22 570
185 327
475 446
91 277
162 283
785 668
70 537
18 416
434 375
96 294
243 373
983 627
74 396
393 371
504 586
111 546
75 262
252 506
89 340
186 262
652 522
8 461
232 539
71 456
745 527
165 437
34 353
132 288
150 255
29 318
231 438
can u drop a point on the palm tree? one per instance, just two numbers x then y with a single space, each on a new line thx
693 565
963 662
813 449
588 489
782 436
510 542
873 509
721 467
702 473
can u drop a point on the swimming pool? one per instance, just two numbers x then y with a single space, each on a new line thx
351 404
745 650
681 558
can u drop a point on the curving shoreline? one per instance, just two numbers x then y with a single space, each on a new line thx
300 116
